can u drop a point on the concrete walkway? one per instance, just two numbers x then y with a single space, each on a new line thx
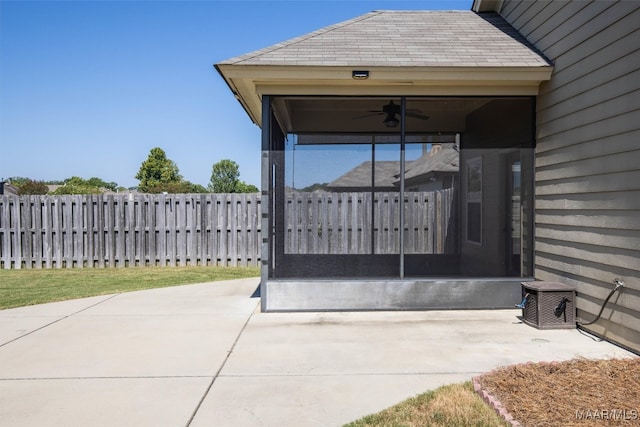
204 355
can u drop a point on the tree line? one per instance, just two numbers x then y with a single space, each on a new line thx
157 174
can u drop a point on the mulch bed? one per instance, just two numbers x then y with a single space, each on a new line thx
578 392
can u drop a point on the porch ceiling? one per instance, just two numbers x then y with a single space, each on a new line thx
309 114
422 53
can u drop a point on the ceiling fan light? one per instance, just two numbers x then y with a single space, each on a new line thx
391 121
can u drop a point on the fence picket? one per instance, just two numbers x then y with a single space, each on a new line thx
241 226
45 231
98 231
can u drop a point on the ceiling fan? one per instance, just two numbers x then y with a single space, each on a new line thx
391 109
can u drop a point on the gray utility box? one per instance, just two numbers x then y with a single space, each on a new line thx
549 305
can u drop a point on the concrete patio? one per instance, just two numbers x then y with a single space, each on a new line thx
204 355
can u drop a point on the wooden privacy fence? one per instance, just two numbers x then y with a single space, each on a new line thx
129 230
95 231
366 223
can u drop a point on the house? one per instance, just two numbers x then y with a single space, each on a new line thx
362 176
8 188
435 169
544 100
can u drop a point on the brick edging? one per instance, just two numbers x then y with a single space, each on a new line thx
493 401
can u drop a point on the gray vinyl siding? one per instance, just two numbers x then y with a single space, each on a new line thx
588 154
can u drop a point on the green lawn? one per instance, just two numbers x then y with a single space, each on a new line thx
27 287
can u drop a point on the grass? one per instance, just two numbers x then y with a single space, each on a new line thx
27 287
448 406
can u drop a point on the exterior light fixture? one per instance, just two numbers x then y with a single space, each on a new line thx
360 75
391 121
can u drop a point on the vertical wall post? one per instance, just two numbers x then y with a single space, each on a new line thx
265 201
403 106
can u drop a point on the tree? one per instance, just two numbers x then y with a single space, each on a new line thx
314 187
97 182
243 187
177 187
225 176
18 181
197 188
158 174
77 185
32 187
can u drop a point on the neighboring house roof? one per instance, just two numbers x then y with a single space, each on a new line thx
386 173
8 189
443 159
405 38
405 53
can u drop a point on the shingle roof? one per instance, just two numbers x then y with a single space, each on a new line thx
360 176
443 160
405 38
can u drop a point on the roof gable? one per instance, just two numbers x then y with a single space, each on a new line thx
405 38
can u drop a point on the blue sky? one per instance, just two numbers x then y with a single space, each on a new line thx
87 88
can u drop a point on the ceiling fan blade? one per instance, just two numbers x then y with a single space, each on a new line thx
376 113
417 116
